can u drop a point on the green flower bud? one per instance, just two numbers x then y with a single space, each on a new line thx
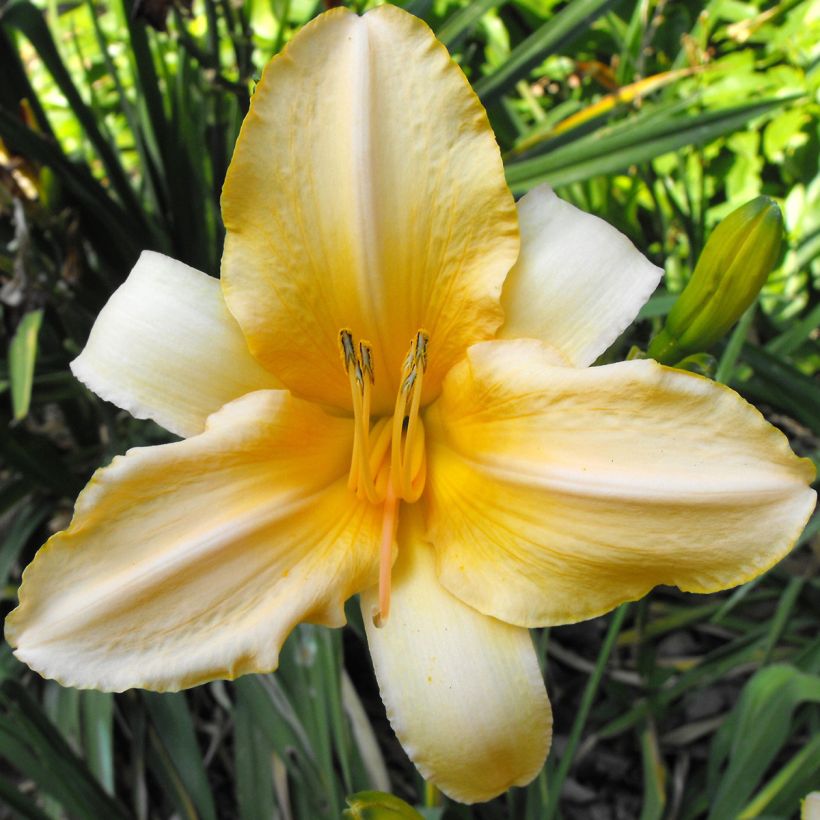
732 269
378 806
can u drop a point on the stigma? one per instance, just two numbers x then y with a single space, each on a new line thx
388 464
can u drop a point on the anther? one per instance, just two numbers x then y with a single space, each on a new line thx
366 356
347 347
422 338
360 372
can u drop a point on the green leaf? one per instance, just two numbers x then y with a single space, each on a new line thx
19 805
378 806
35 747
253 758
275 717
790 389
754 734
22 358
364 736
175 729
783 791
28 516
728 359
98 735
654 776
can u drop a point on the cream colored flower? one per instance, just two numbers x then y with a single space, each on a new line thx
459 433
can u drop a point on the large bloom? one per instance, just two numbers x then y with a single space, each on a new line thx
393 368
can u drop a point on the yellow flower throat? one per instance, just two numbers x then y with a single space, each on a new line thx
373 475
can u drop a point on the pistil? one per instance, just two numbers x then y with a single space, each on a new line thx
389 520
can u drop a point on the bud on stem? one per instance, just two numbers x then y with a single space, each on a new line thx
732 269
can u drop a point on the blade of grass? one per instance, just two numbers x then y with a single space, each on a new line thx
754 734
253 767
307 686
26 18
329 660
35 746
731 352
277 720
364 737
638 140
785 607
459 21
28 517
654 775
19 805
587 699
16 86
788 341
175 729
128 109
103 217
792 782
795 392
739 653
622 97
559 30
97 710
172 787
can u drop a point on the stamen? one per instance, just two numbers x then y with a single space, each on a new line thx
408 403
404 438
420 365
366 355
399 413
379 445
348 348
416 459
422 338
360 374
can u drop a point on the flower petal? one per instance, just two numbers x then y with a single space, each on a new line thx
194 560
464 692
578 282
557 493
166 348
366 192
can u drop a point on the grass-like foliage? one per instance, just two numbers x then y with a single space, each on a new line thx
117 123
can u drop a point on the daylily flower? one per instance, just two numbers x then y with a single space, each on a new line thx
393 368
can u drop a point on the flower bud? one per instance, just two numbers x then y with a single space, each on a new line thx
378 806
732 269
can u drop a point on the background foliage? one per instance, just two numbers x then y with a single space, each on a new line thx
117 121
